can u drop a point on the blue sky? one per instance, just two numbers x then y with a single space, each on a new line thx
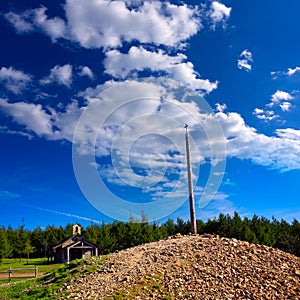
94 96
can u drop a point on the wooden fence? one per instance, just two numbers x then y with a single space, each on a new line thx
19 273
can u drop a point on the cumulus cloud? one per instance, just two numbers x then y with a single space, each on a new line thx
96 24
285 106
289 133
221 107
244 63
279 100
65 121
265 114
32 116
219 14
279 152
14 80
21 23
278 96
120 65
86 71
290 72
8 130
242 141
107 24
54 27
59 74
147 135
36 19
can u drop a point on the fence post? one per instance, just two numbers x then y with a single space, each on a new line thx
9 274
35 271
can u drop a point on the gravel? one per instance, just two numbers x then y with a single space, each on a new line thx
192 267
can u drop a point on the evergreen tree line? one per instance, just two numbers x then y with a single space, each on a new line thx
110 237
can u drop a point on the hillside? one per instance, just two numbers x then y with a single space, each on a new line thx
192 267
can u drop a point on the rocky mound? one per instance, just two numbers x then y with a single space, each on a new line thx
193 267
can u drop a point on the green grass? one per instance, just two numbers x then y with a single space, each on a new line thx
42 263
47 286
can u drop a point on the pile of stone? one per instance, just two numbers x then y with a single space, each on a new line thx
192 267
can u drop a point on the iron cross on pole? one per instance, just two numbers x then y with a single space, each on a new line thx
190 182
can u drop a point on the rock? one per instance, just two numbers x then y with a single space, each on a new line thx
192 267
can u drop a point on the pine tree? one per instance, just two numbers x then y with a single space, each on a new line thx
92 233
183 227
21 238
236 227
28 249
170 227
37 239
5 249
106 240
223 225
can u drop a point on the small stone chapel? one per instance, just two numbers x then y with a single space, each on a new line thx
74 247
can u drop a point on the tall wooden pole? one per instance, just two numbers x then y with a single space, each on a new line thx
190 183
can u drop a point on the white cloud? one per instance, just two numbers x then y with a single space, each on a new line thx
7 130
244 63
290 72
54 27
258 111
86 71
97 24
30 115
14 80
280 95
281 151
66 121
247 54
289 133
59 74
20 22
279 99
219 13
120 65
221 107
107 24
132 134
36 19
285 106
110 24
242 141
265 115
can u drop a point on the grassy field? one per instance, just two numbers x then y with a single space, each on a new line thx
42 264
47 285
